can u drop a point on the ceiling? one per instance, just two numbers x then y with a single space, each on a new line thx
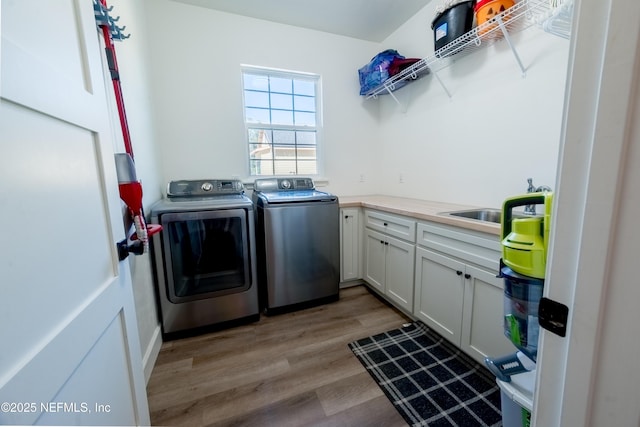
372 20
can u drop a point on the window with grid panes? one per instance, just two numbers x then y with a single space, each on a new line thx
282 121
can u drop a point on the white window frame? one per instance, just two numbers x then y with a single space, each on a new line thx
250 69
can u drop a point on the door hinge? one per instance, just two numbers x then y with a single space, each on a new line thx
553 316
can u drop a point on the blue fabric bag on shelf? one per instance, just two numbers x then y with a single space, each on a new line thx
377 70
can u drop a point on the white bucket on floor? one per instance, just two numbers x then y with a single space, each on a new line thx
516 398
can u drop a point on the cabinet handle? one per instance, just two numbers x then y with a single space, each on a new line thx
347 216
381 242
459 273
385 224
386 243
467 276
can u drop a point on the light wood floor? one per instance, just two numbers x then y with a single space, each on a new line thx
292 369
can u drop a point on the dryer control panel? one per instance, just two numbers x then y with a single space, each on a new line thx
204 187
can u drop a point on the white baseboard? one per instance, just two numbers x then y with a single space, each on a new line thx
151 354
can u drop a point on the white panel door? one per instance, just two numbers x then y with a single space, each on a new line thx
439 286
399 258
374 260
350 244
590 377
483 317
70 353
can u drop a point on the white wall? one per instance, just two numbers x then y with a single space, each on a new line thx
196 58
475 148
134 74
497 129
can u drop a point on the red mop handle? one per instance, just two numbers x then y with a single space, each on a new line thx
131 190
117 88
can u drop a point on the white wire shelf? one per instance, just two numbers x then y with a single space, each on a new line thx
521 16
409 74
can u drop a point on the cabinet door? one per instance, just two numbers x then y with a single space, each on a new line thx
399 283
349 245
374 259
483 330
439 293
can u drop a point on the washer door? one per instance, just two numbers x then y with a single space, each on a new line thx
206 254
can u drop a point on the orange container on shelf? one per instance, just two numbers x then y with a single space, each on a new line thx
487 9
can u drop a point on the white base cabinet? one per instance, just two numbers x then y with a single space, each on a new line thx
350 243
457 292
388 260
442 275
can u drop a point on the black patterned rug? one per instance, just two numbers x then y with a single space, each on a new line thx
430 381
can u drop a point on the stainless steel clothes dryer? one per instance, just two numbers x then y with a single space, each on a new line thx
298 239
205 259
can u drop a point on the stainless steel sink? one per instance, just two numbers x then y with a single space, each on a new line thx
487 215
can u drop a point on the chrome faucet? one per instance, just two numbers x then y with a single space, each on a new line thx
531 209
531 188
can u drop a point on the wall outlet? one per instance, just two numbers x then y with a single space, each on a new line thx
361 177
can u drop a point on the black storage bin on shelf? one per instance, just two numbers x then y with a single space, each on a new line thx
452 23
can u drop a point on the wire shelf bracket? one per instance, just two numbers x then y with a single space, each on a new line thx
506 36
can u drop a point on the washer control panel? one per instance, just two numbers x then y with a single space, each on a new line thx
283 184
295 184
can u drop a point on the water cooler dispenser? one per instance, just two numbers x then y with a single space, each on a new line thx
525 241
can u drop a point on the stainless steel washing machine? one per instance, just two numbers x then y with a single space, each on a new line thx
298 235
205 258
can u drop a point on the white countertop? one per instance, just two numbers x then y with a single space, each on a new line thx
421 209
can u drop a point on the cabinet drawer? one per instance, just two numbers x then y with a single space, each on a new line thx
475 247
393 225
